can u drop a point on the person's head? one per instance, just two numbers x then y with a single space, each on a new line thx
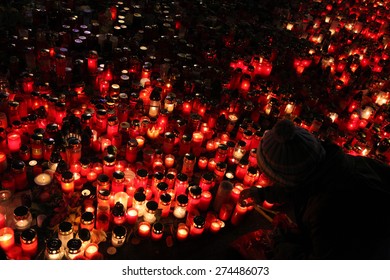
289 154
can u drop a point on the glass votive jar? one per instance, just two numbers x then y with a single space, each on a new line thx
29 242
73 249
118 214
157 231
180 209
143 229
194 196
22 218
197 226
65 233
87 220
118 182
251 176
7 238
188 164
182 232
139 203
150 213
85 236
67 182
91 250
131 215
118 236
54 249
165 204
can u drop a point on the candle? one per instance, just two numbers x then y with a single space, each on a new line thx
216 226
197 226
182 232
239 212
144 229
43 180
122 198
29 242
132 215
53 249
22 218
202 162
205 201
14 142
67 182
3 162
2 219
118 236
7 238
169 161
92 176
157 231
91 250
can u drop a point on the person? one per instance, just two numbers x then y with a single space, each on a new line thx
341 203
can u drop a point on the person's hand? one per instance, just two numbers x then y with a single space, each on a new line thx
251 196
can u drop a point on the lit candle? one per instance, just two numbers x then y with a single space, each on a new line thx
182 232
157 231
144 229
2 219
216 226
43 180
122 198
239 212
67 182
202 162
118 236
3 162
14 142
91 176
211 164
7 238
29 242
169 161
197 226
132 216
91 250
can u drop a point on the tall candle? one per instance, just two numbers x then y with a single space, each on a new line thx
3 162
144 229
132 216
7 238
14 142
182 232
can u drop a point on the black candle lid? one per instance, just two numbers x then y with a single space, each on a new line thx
29 235
158 227
182 199
74 244
67 175
139 196
158 175
119 175
18 164
65 227
162 186
152 205
195 191
53 244
182 177
87 217
165 197
119 231
103 178
104 193
142 172
189 156
118 209
21 211
208 176
199 221
84 234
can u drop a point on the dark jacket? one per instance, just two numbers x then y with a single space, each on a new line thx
343 212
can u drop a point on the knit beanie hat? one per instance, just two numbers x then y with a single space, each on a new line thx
289 154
